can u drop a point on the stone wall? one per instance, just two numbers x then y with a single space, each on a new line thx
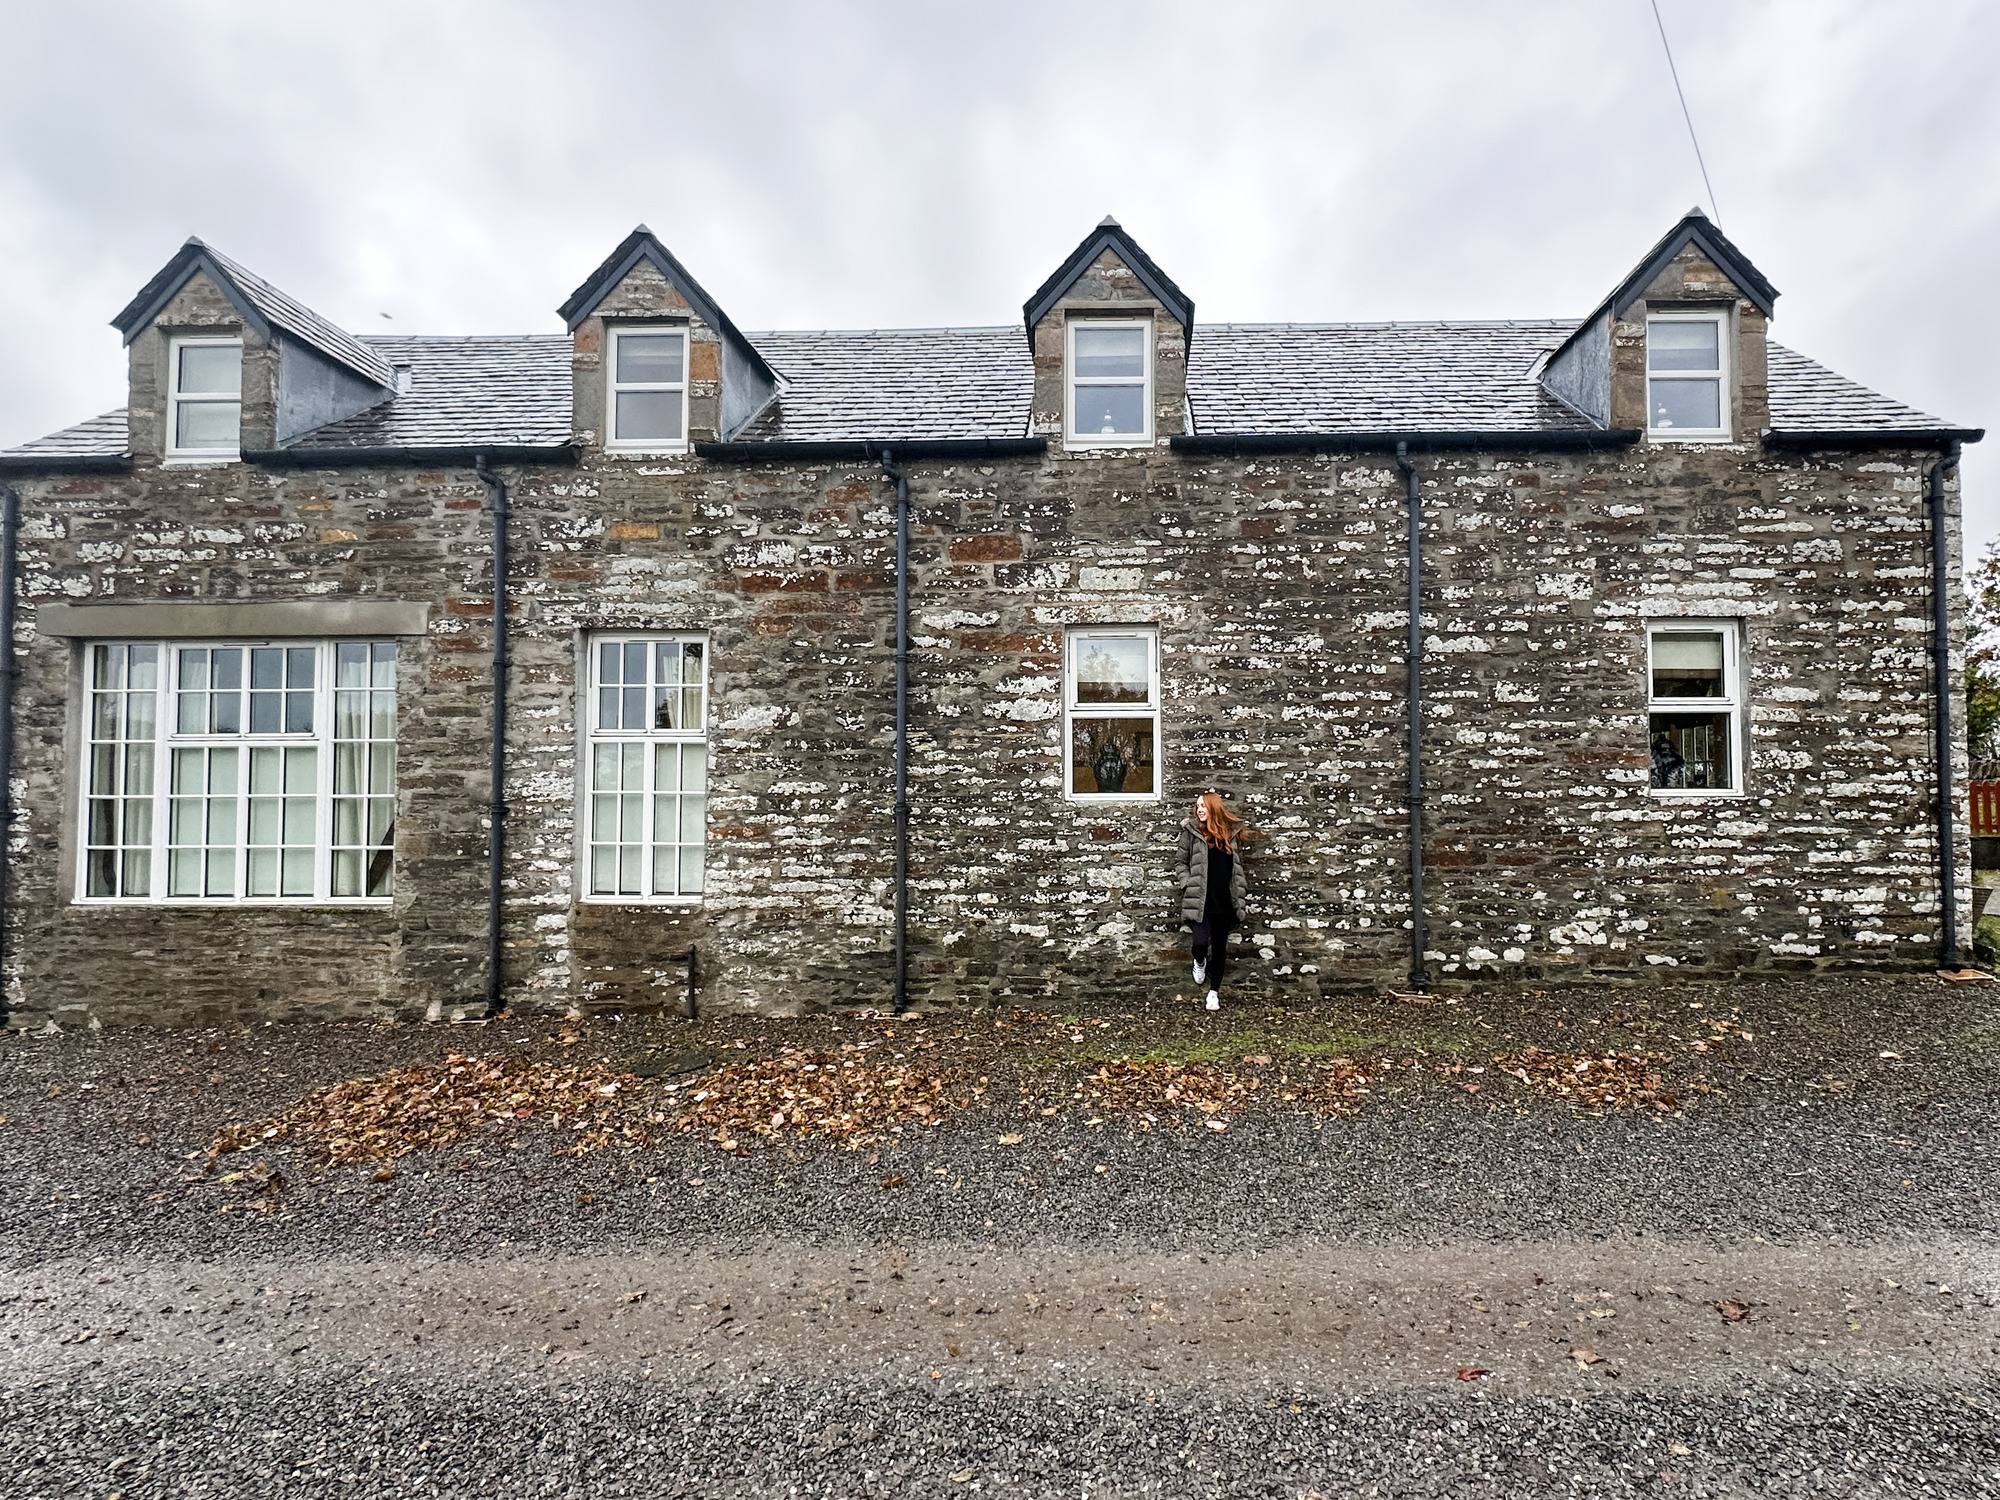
1277 585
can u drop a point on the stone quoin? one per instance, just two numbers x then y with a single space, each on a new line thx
1676 625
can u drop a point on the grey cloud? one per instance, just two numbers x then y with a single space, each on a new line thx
462 166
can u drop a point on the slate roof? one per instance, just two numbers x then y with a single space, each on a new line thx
100 437
912 385
1274 378
463 393
1808 397
934 384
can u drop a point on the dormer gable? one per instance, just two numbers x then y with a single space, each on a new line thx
1680 337
297 371
650 342
1109 333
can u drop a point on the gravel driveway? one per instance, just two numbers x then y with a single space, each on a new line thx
1788 1283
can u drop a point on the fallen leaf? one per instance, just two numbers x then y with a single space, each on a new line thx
1679 1449
1471 1372
1585 1358
1217 1124
383 1174
1010 1140
1732 1311
963 1474
893 1180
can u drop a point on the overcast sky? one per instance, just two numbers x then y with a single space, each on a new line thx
459 168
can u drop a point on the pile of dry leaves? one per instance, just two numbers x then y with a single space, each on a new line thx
405 1109
1610 1080
799 1092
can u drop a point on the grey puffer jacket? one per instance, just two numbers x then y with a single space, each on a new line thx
1192 871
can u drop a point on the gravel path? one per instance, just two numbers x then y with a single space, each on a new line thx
1279 1308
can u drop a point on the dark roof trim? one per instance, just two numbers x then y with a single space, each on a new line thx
350 458
854 450
278 310
1246 444
192 258
643 245
75 463
1932 437
1109 235
1694 230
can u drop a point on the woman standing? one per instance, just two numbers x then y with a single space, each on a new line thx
1213 890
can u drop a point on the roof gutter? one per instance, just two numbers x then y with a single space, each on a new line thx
459 456
1250 444
81 463
1928 437
871 450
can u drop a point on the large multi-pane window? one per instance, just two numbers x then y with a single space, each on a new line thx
1111 703
240 772
646 817
1694 707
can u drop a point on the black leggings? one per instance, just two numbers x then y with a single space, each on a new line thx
1211 943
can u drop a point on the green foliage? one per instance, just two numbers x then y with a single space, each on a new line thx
1982 657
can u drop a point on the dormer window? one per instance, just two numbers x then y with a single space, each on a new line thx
205 398
1110 382
1687 376
648 397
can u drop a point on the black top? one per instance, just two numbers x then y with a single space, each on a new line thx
1220 862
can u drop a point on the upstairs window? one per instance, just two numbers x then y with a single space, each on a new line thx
1111 702
1110 382
1687 392
648 398
646 820
1694 709
205 398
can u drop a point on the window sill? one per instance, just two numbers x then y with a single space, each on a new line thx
1107 445
1695 794
1114 799
1712 438
200 460
237 903
621 450
682 902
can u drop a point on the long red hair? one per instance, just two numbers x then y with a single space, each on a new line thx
1223 829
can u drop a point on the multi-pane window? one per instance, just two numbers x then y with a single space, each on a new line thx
1111 712
1686 392
648 396
204 398
274 764
647 812
1110 382
1695 706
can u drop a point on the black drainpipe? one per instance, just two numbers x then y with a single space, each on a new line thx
893 471
1419 977
496 805
10 533
1941 691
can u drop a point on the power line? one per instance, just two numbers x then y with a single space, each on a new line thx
1676 72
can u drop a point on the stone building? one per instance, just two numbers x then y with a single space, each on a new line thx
1676 629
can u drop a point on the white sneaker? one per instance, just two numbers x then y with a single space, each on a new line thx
1214 1001
1200 973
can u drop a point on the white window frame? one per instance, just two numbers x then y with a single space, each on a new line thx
1732 703
167 738
1073 710
176 399
1071 437
1720 376
594 735
612 386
